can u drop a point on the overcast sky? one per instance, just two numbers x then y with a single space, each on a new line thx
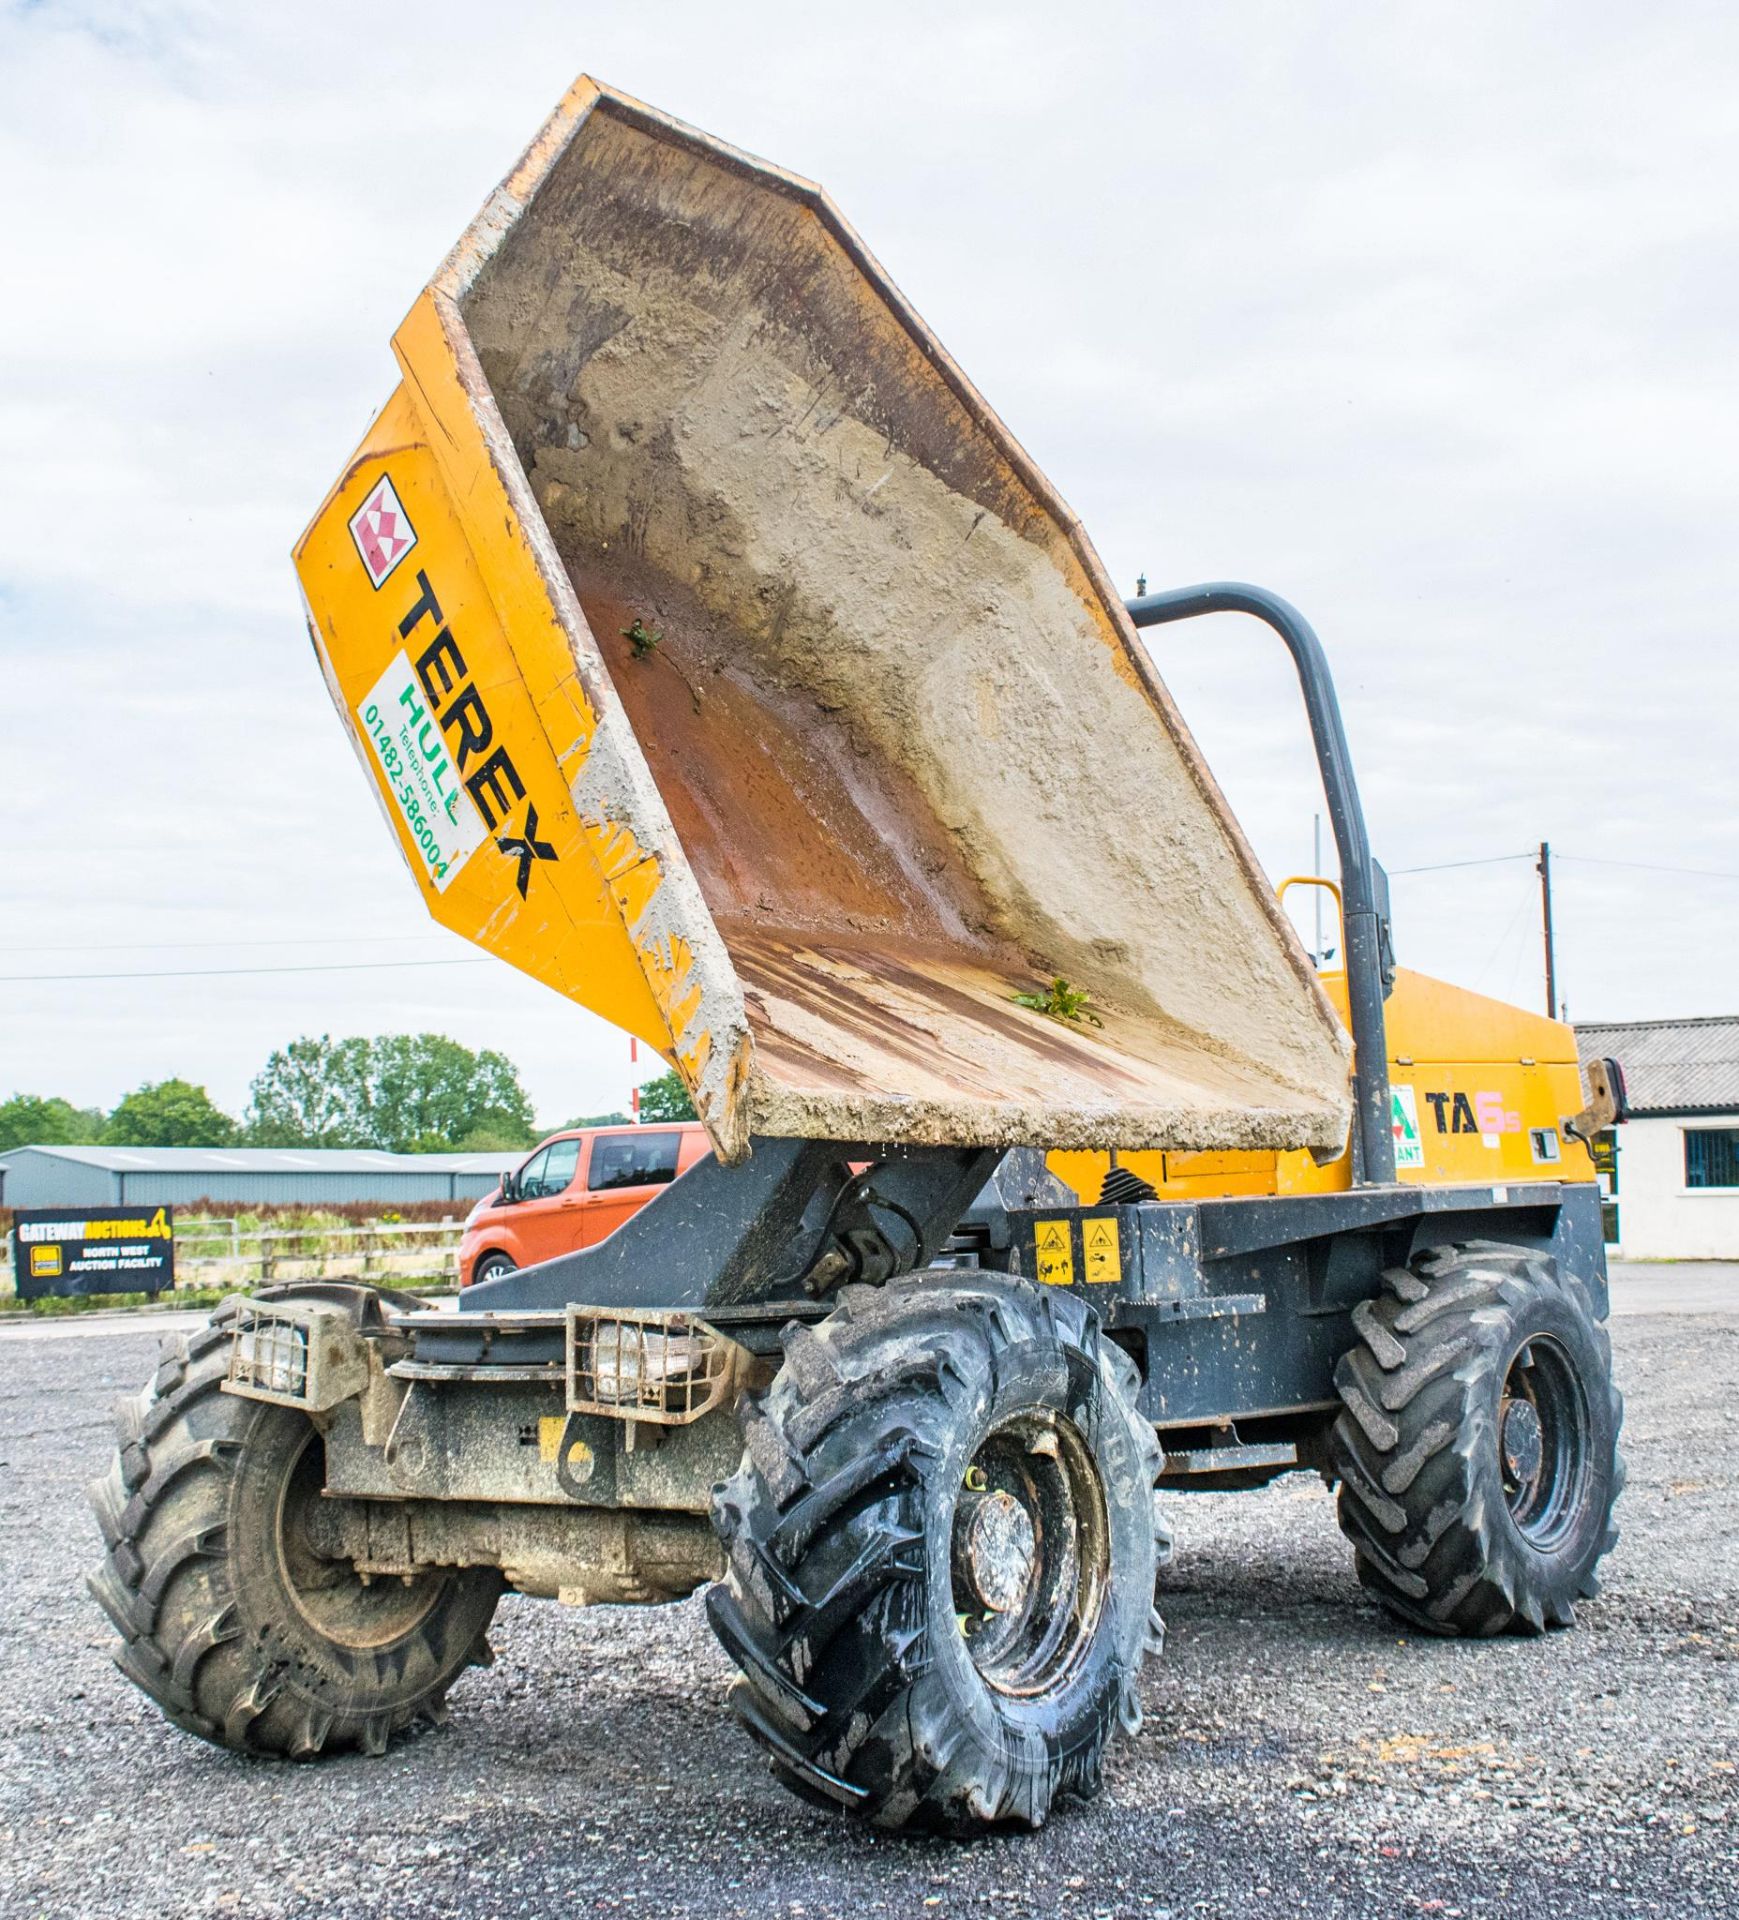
1422 315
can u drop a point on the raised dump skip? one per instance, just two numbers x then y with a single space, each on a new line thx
686 538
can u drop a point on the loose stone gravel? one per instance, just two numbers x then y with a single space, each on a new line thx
1301 1753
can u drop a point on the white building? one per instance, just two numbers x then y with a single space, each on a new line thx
1675 1181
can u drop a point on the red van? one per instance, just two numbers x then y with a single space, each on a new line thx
576 1188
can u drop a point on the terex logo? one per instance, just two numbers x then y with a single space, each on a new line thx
1484 1114
493 782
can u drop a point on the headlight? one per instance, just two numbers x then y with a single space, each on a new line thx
666 1367
272 1355
631 1363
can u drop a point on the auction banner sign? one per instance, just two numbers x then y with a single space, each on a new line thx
93 1250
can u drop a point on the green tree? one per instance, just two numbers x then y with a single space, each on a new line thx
666 1098
427 1143
31 1120
169 1113
407 1092
598 1120
427 1093
312 1093
488 1139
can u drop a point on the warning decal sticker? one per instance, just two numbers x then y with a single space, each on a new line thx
1100 1253
1056 1258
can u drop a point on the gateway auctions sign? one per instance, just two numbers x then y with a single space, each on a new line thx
94 1250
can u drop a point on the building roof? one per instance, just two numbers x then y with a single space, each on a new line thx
1671 1066
273 1160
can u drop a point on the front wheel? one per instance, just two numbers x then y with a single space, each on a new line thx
941 1554
1477 1449
231 1618
491 1267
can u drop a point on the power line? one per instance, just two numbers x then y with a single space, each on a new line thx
1503 941
225 973
1582 859
189 946
1650 866
1443 866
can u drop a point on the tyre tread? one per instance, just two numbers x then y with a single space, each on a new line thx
164 1510
1403 1448
824 1539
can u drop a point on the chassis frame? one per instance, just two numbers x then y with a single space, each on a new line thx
495 1435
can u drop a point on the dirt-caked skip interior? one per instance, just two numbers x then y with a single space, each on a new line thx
905 742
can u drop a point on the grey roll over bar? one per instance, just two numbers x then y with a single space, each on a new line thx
1364 889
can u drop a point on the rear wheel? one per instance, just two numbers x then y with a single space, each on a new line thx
1478 1449
941 1554
231 1618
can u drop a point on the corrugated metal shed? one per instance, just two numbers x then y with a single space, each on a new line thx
263 1176
1671 1066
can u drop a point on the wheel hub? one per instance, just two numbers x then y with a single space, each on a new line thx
1523 1442
329 1593
1001 1550
1543 1436
1031 1553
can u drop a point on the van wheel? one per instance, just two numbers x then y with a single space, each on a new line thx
940 1554
491 1267
1477 1451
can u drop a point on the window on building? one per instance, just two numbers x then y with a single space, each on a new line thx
1712 1156
633 1160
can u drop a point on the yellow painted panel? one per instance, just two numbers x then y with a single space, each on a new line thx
420 666
549 1444
1481 1091
1196 1166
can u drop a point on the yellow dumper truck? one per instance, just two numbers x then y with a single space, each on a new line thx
716 656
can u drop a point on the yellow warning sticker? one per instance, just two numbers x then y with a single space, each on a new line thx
1056 1257
1099 1247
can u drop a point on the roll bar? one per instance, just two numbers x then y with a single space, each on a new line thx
1370 961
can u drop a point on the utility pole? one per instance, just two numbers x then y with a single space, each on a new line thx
1544 869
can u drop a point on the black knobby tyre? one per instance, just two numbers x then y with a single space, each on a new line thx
1477 1451
229 1619
941 1554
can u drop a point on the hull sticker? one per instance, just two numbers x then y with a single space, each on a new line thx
418 772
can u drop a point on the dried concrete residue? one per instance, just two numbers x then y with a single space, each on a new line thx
923 771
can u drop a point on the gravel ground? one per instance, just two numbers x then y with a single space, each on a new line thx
1300 1755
